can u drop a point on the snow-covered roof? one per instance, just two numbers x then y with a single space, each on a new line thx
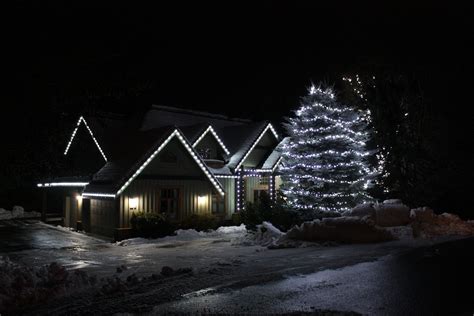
275 156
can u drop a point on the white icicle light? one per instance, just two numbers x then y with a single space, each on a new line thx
213 132
196 158
83 120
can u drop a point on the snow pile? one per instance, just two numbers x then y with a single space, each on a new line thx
189 235
267 234
427 225
362 210
22 285
17 212
392 213
340 229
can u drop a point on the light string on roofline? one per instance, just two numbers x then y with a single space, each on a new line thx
269 126
195 156
105 195
83 120
62 184
213 132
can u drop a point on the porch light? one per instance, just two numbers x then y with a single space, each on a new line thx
133 203
202 200
79 198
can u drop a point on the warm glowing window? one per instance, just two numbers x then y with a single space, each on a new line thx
264 180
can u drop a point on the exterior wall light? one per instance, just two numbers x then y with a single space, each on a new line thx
133 203
202 199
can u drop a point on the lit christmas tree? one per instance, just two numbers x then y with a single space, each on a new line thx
325 165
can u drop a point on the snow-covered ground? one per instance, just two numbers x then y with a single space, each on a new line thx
130 275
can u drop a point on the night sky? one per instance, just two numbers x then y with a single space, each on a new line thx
251 61
243 60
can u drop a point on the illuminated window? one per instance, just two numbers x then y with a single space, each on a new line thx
264 180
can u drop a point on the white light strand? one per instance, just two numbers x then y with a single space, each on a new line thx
106 195
82 119
269 126
213 132
196 157
62 184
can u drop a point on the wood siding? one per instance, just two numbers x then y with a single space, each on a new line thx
146 191
103 216
229 189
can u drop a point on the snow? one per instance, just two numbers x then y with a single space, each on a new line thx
346 229
189 235
17 212
392 214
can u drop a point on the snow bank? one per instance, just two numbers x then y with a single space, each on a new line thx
391 214
427 225
22 285
188 235
17 212
362 210
340 229
267 234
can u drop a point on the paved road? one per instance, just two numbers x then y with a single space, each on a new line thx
394 278
435 280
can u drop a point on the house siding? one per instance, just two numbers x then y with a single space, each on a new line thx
145 190
103 216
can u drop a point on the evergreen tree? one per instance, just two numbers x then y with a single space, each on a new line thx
325 165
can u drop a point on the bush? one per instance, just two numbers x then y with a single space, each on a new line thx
199 222
275 212
151 225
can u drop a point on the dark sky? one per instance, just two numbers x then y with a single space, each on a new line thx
243 60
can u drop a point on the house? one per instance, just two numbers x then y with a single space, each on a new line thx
170 160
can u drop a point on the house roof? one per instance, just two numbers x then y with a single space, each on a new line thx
128 143
139 150
275 156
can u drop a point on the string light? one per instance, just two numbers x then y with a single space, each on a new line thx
325 166
269 126
190 150
213 132
62 184
83 120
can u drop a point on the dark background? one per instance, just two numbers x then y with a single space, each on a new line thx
251 61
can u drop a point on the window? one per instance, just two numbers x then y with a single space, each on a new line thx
169 202
264 180
205 153
218 205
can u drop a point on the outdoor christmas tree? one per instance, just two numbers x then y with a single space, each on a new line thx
325 165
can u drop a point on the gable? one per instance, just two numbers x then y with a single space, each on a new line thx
81 123
83 156
175 135
207 135
173 160
209 145
261 150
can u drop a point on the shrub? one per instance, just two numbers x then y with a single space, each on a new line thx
275 212
200 222
151 225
